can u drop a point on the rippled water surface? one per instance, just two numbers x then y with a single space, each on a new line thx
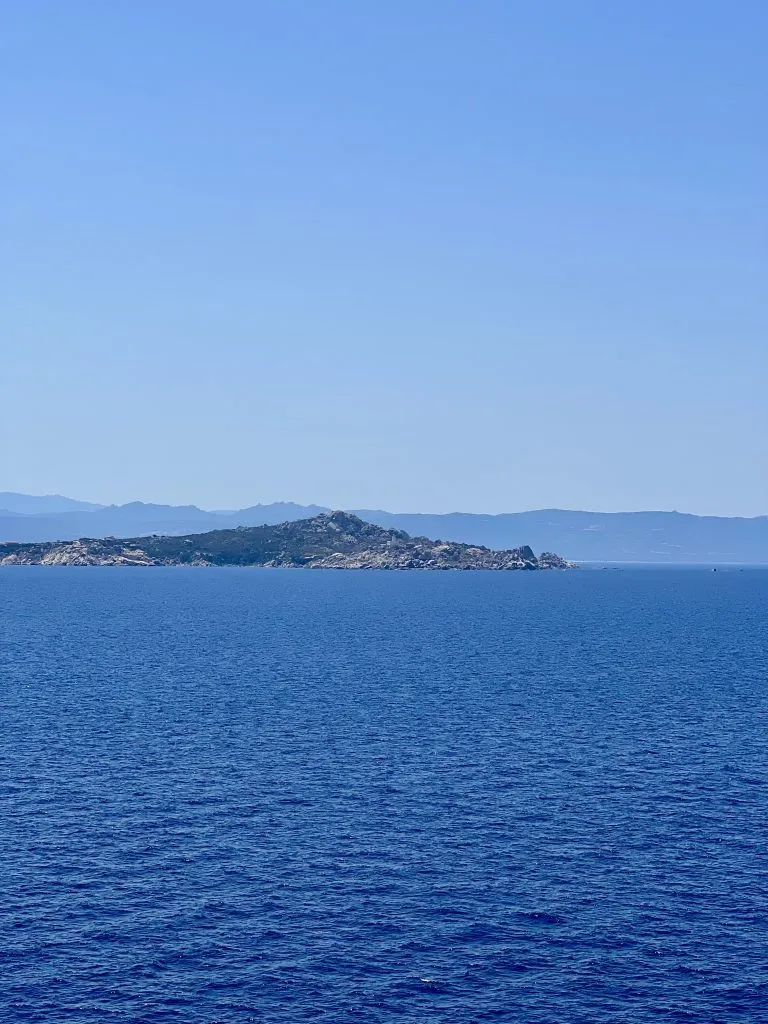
253 795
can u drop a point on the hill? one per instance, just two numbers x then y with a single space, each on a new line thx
139 518
38 504
582 536
330 540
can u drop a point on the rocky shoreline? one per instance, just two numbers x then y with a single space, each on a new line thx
336 540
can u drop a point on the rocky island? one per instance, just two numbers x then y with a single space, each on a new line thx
334 540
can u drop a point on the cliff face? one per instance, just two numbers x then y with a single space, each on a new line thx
335 540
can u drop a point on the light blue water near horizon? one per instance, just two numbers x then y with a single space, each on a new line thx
253 795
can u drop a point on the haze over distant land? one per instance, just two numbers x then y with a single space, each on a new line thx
438 256
581 536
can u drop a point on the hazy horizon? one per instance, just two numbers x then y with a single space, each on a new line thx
380 508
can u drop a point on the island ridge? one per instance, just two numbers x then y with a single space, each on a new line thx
335 540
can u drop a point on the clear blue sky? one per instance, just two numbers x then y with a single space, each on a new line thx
415 255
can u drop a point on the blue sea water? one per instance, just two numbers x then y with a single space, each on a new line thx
254 795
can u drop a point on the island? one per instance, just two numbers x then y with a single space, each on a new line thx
333 540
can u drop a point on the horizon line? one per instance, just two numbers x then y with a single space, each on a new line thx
98 506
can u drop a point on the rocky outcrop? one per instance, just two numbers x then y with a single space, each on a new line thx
78 552
335 540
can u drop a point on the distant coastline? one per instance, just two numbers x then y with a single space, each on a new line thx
620 537
336 540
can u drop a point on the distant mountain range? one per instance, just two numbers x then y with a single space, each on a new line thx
40 504
579 536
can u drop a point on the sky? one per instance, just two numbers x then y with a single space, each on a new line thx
424 255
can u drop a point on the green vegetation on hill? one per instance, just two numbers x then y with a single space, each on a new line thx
330 540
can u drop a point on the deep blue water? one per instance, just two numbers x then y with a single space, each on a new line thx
253 795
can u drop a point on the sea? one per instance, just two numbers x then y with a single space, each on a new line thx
234 795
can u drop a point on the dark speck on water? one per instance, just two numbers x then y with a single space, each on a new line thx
253 795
